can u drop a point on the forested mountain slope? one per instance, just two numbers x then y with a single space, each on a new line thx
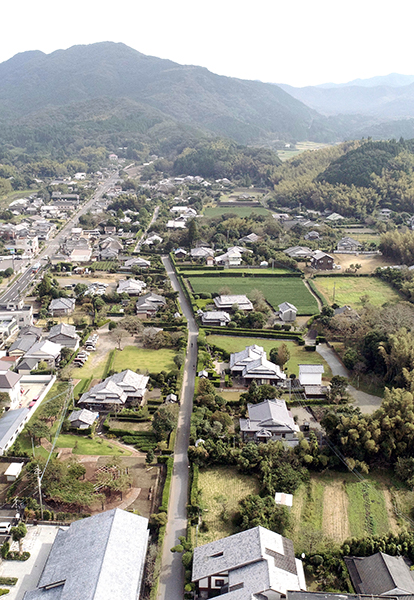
242 110
353 178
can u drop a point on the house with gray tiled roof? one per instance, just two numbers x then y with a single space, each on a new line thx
120 389
62 306
65 335
82 419
287 312
269 420
149 304
247 564
97 558
380 575
251 363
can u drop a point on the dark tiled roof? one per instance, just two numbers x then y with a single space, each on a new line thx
379 574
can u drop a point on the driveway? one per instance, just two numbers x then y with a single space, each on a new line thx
171 585
366 402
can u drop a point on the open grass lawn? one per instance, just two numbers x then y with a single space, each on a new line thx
144 359
130 426
131 357
298 354
339 506
219 505
348 290
276 290
85 445
240 211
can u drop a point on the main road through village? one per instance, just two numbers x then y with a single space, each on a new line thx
172 573
15 291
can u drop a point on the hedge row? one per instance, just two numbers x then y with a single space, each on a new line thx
245 274
167 485
109 364
264 333
317 293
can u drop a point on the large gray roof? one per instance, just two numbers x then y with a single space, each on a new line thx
257 558
99 558
380 574
9 423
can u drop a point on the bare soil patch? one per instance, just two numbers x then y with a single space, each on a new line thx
392 518
368 262
335 512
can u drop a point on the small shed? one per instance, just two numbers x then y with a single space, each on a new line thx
282 499
13 471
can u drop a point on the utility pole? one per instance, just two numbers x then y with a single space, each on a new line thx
38 473
333 300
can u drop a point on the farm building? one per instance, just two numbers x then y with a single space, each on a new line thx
310 374
253 563
269 421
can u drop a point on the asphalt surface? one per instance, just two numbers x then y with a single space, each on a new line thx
15 291
171 585
368 403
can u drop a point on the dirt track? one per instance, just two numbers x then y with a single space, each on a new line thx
335 512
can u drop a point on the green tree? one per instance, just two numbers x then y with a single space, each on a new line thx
18 533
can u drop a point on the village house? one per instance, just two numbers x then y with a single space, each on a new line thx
299 252
225 302
10 384
125 388
252 364
46 351
380 575
60 307
153 239
322 261
82 419
65 335
348 244
269 421
148 305
135 262
132 287
251 564
287 312
215 318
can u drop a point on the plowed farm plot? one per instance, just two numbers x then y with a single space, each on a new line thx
336 506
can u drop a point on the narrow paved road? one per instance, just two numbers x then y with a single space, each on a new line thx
172 573
366 402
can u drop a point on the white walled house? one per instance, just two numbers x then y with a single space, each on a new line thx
310 374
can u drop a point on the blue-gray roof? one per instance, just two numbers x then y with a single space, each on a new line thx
99 558
9 423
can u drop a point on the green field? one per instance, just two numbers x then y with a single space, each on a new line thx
298 354
220 506
240 211
86 446
245 269
276 290
131 357
348 290
105 265
339 506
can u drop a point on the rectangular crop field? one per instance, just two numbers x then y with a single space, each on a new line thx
298 354
275 289
219 505
348 290
337 506
240 211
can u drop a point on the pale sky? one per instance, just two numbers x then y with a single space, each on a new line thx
299 42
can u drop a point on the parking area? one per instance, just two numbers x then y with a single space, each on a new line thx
38 542
30 392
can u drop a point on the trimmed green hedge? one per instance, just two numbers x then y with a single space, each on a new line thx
167 485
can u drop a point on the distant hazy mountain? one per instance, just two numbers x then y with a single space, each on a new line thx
243 110
391 80
388 97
